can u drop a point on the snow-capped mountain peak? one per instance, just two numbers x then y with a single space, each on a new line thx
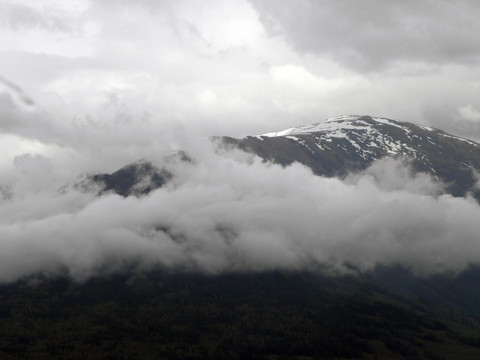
340 145
335 147
335 126
367 135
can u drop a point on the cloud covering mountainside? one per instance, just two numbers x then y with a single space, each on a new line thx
229 212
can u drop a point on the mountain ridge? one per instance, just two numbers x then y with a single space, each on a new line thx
336 147
351 143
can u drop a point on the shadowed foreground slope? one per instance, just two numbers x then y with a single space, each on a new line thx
257 316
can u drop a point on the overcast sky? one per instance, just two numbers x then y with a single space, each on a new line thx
122 79
89 86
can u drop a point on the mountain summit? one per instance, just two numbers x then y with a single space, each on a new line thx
350 143
333 148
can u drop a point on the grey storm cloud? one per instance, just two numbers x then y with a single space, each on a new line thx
371 34
19 16
17 90
233 212
240 67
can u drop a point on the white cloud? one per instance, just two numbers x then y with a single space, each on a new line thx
232 212
469 113
300 79
207 98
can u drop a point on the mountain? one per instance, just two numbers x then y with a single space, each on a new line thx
273 315
137 178
334 148
348 144
387 313
337 147
351 143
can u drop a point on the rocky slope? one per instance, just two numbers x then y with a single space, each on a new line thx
138 178
351 143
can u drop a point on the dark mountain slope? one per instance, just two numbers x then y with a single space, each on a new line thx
133 179
459 292
138 178
351 143
250 316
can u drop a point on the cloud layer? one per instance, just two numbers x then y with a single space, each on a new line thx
374 34
231 212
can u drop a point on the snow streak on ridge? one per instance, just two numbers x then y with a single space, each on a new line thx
366 134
